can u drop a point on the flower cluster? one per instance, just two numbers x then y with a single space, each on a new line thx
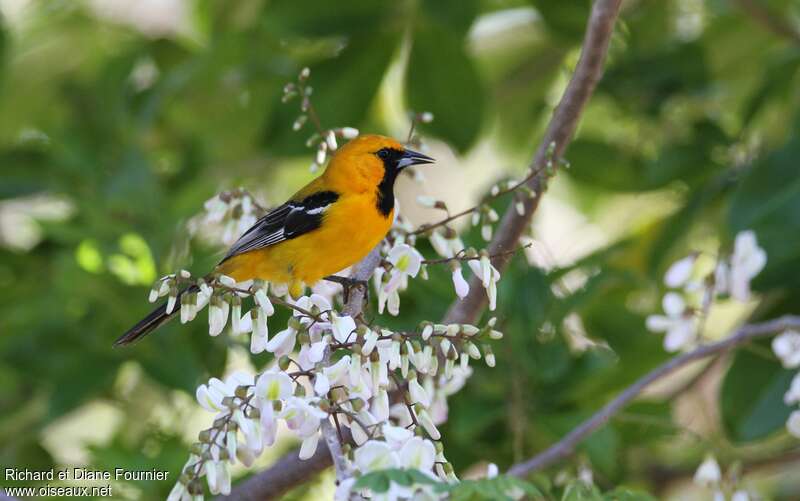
330 367
384 392
709 475
226 216
690 297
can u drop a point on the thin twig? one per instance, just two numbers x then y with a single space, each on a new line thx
567 445
559 132
462 256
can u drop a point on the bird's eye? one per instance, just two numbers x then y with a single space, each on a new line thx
383 154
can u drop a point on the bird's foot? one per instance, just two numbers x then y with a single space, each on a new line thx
348 284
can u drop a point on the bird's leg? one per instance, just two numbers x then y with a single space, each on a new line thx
348 284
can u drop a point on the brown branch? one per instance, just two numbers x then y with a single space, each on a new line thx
289 471
355 305
559 132
567 445
769 20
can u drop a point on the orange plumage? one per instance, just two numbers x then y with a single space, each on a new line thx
328 225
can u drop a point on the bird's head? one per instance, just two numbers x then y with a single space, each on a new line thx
371 161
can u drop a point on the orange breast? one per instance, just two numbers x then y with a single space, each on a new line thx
350 229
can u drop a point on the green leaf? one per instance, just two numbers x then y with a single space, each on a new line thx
643 80
443 79
328 18
604 165
768 202
456 15
751 398
566 20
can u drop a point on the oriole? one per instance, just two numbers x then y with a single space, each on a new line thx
330 224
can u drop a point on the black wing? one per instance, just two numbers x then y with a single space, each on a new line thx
288 221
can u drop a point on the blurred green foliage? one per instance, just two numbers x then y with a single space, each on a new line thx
134 131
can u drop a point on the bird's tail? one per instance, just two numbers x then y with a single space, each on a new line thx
153 321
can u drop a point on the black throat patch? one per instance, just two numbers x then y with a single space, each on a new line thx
385 199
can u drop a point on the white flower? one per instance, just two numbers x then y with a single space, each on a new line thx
177 492
243 324
427 423
747 261
343 327
380 405
417 453
263 301
321 384
680 328
361 428
370 341
338 373
215 208
492 471
787 347
489 276
269 425
250 430
274 386
459 284
722 278
793 423
311 354
260 336
309 446
680 271
396 436
302 417
283 342
210 396
218 477
708 473
406 262
740 495
374 455
331 140
445 247
349 132
793 395
486 232
418 393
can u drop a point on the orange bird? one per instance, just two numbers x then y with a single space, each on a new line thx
330 224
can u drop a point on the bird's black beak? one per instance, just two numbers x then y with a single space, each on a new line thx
411 157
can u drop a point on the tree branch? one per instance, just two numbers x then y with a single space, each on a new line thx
355 305
290 471
566 446
559 132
